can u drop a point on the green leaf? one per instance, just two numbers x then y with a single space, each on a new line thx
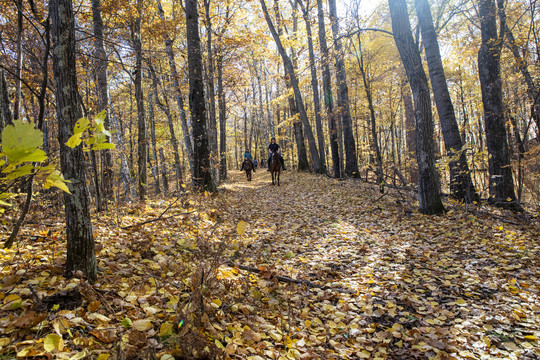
126 322
101 116
18 172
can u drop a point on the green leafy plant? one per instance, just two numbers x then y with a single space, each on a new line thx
94 136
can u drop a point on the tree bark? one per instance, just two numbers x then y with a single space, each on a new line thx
317 167
327 92
222 120
164 172
212 126
202 173
461 185
155 158
5 112
18 70
178 93
103 97
372 124
532 90
501 183
141 116
351 161
410 131
429 197
80 241
166 110
314 84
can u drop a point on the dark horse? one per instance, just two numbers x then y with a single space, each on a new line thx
248 167
275 167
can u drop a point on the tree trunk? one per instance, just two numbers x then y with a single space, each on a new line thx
178 93
80 241
410 131
18 70
298 96
461 186
501 183
314 85
166 110
103 97
372 124
125 174
141 120
532 90
155 158
327 92
164 172
212 126
351 161
5 112
429 197
222 120
202 173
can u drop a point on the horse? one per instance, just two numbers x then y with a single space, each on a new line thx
275 167
248 167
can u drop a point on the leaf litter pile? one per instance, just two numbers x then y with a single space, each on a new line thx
314 269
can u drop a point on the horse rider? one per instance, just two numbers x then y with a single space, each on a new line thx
274 147
247 156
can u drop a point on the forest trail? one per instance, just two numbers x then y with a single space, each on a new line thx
379 280
454 286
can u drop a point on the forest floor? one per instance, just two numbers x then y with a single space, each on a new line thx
316 268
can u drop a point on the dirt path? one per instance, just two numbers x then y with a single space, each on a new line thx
454 286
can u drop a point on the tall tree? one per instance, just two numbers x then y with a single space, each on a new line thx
351 160
5 112
141 117
429 197
532 88
212 126
18 71
314 82
327 92
317 166
80 241
501 183
178 92
461 185
103 96
202 173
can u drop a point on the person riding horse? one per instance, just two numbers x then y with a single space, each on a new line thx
247 156
274 147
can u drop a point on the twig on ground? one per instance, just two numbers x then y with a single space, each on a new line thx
291 280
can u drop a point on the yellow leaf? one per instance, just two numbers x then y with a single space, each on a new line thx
166 357
530 337
4 342
219 344
103 356
142 325
461 302
216 303
241 227
53 342
166 329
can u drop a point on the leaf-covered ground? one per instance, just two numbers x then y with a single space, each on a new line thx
314 269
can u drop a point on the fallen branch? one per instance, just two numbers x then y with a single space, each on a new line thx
290 280
160 217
